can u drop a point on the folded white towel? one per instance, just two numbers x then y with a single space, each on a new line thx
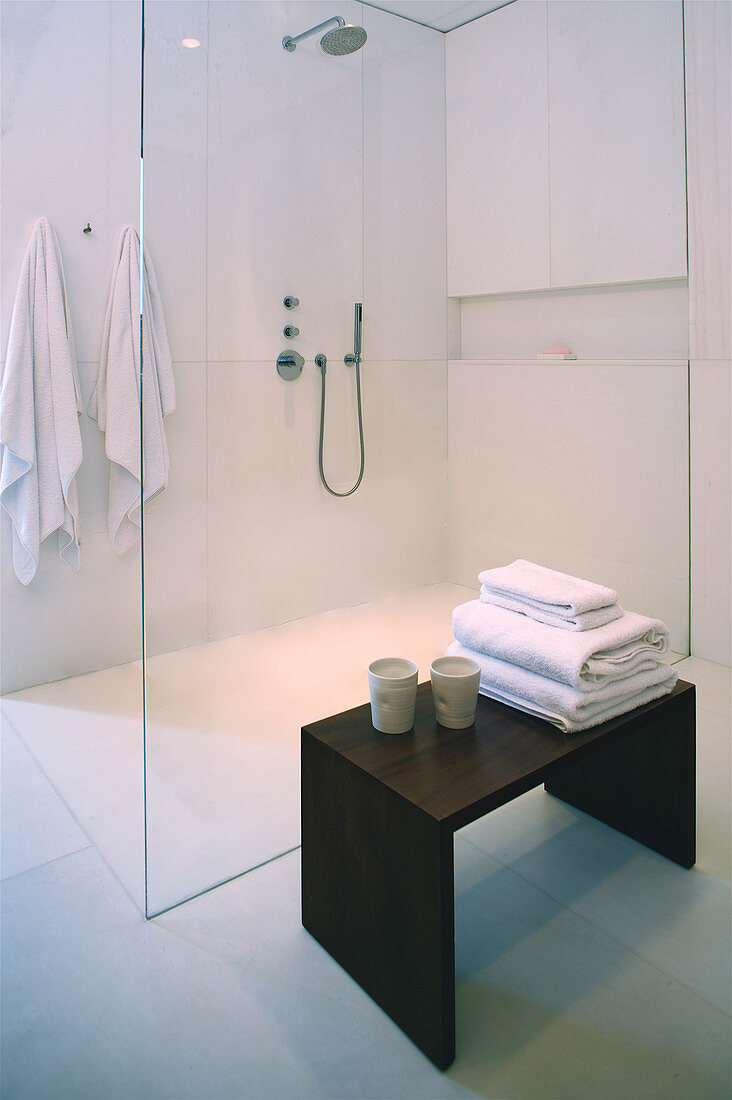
115 401
584 661
565 707
586 620
40 401
549 596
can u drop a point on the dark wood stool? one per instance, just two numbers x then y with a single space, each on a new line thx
379 813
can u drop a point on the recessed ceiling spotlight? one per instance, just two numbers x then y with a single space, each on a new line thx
191 43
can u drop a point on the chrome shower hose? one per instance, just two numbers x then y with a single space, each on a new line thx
322 430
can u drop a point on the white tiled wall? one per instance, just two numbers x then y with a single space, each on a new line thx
256 186
589 183
279 546
175 524
498 152
70 95
579 465
711 492
284 183
326 181
565 136
404 189
70 144
175 128
707 28
616 143
305 188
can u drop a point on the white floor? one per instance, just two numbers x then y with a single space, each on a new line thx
587 966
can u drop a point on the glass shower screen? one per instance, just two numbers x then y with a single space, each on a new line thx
281 188
253 194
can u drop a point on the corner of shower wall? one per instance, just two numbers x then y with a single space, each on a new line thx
580 464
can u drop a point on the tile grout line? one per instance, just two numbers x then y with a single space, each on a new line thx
598 928
46 863
93 846
85 831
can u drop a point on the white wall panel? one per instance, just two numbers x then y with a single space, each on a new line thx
497 152
71 110
707 27
565 138
175 135
579 466
616 149
255 187
708 122
711 494
176 570
285 168
64 623
294 206
279 546
404 190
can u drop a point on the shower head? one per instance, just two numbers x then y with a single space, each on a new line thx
342 39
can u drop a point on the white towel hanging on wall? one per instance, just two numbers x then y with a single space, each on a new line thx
40 402
115 400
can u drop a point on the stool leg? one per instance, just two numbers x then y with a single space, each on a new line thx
644 784
378 893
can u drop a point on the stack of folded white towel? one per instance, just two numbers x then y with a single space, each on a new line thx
561 648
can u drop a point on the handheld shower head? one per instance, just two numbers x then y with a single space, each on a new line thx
342 39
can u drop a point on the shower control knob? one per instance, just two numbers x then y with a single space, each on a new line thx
289 365
290 331
290 302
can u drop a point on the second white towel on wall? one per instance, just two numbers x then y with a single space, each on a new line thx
115 401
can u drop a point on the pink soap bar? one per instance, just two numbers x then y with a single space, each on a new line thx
556 351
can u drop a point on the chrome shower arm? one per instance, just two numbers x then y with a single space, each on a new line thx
289 43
